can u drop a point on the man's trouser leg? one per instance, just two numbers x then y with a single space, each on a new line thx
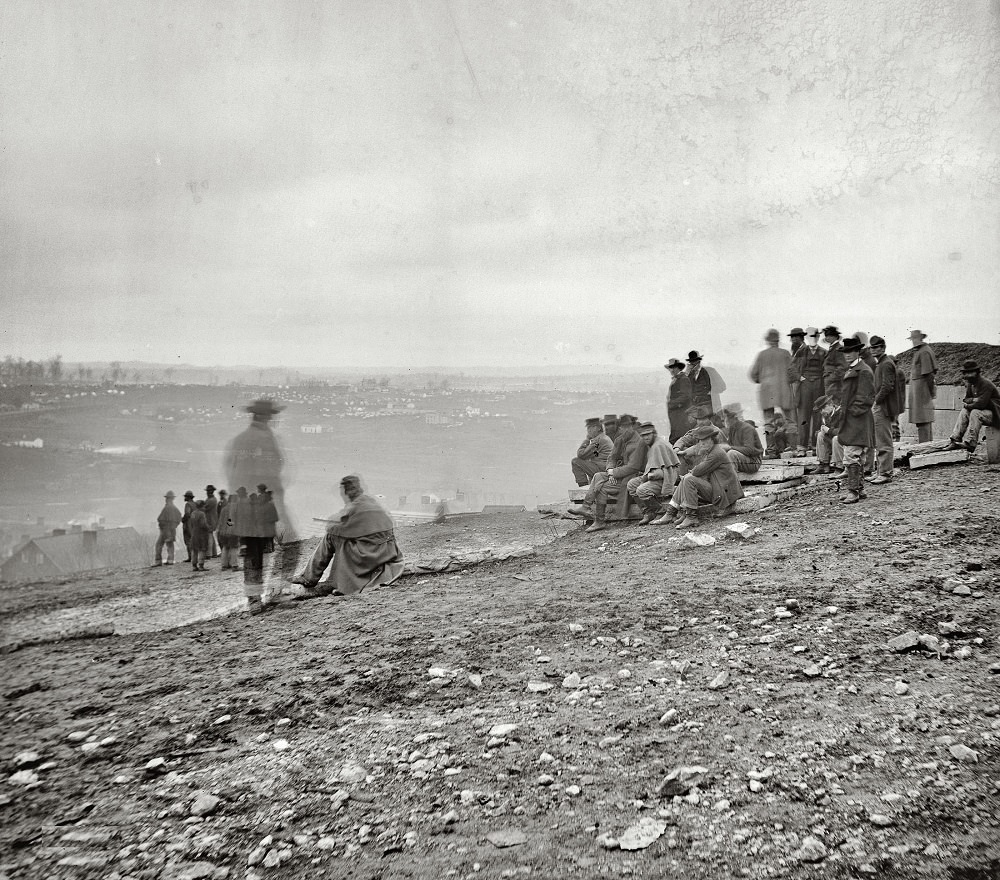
969 425
883 442
584 469
743 463
809 392
853 462
648 494
253 568
596 484
838 453
320 559
213 545
925 432
158 549
769 432
691 491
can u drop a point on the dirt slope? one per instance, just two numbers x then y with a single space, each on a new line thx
391 734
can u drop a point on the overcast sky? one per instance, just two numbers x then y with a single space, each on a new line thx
422 182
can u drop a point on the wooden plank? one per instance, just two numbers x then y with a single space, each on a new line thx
951 456
578 494
763 488
773 472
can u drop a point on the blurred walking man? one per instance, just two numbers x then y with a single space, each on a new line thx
771 371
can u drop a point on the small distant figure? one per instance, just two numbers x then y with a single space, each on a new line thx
440 513
229 542
701 382
212 516
923 390
361 545
592 455
168 520
807 370
199 536
980 408
189 508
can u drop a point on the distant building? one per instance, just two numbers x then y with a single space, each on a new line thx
312 429
63 553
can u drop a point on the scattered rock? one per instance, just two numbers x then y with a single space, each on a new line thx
681 780
812 670
880 819
698 539
905 642
901 688
508 837
27 759
964 753
205 804
607 841
155 766
23 777
668 716
539 687
475 680
962 590
572 681
930 643
740 531
720 681
812 850
197 871
641 835
351 773
281 745
502 730
573 790
545 779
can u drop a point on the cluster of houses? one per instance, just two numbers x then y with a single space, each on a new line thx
75 549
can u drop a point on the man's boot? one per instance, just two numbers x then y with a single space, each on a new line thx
584 510
824 468
651 509
853 485
599 523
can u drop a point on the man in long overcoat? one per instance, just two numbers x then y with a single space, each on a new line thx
808 367
678 400
885 409
920 404
834 364
360 542
856 430
770 371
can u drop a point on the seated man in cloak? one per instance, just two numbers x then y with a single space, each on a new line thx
360 542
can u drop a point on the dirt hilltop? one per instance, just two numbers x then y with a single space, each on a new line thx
950 356
737 705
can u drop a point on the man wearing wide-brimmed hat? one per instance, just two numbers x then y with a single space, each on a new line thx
856 428
923 390
771 371
980 408
808 368
592 455
885 410
744 448
701 381
678 399
168 520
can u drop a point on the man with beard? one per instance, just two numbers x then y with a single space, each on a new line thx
980 408
360 542
856 429
657 482
678 400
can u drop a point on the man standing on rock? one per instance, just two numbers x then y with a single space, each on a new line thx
981 408
361 544
168 520
884 410
592 456
771 371
920 406
856 430
657 483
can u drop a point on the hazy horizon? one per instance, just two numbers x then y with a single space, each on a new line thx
445 183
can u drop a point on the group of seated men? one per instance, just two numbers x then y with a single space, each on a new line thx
624 461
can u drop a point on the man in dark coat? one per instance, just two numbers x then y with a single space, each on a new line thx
592 456
981 408
168 520
360 542
744 448
189 508
797 336
712 480
701 382
678 400
856 430
807 369
627 460
923 387
610 422
834 363
212 517
885 409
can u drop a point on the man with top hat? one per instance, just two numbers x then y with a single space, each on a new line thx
712 480
189 509
923 390
808 367
834 363
701 382
856 428
592 456
656 484
678 399
167 521
360 542
771 371
980 408
884 410
743 447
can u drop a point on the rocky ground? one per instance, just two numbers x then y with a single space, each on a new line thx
819 699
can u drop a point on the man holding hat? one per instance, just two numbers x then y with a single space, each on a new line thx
592 456
920 402
657 482
168 520
856 428
712 480
981 408
360 541
744 449
808 367
885 409
678 399
771 371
